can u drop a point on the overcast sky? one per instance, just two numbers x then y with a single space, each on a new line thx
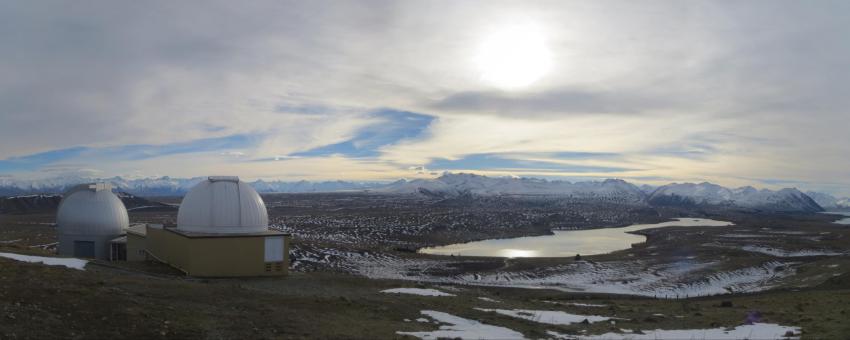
733 92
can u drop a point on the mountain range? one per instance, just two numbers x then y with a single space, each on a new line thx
450 185
612 190
168 186
460 184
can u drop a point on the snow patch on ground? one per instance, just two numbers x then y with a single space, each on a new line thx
487 299
783 232
457 327
777 252
679 279
417 291
585 304
574 304
787 253
843 221
50 261
745 235
673 280
547 316
754 331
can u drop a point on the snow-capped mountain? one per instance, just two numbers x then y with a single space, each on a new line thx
708 194
167 186
449 185
460 184
828 201
307 186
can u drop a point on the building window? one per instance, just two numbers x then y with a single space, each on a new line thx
274 249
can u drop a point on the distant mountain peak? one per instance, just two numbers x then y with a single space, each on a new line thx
828 201
709 194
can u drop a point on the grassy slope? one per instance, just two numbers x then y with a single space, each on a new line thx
38 301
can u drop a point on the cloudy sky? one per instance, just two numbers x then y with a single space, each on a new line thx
733 92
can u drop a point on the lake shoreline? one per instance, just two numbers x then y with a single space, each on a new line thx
594 241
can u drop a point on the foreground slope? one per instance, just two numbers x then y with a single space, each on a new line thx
40 301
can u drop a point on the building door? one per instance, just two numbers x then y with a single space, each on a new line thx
84 249
117 252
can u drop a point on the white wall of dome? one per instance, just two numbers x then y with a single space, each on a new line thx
90 213
87 211
222 204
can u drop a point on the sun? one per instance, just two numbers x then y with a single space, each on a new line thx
513 57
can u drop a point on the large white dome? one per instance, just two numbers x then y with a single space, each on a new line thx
222 205
91 209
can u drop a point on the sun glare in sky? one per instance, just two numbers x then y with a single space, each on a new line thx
513 57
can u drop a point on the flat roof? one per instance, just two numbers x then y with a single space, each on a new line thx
138 229
192 234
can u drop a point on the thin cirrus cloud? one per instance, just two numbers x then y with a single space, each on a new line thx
86 156
500 163
391 126
554 102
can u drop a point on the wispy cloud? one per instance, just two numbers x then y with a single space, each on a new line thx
81 157
389 127
556 102
496 162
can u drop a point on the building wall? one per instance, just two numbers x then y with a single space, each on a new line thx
101 244
215 256
136 246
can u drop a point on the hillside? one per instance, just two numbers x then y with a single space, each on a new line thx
707 194
28 204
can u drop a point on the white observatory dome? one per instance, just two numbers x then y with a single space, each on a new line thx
222 205
91 210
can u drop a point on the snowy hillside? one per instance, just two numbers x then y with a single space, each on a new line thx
828 201
708 194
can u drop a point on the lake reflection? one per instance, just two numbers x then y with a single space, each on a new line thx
565 243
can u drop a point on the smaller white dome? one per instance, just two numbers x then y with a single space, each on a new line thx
91 209
225 205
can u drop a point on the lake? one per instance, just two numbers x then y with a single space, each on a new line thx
565 243
845 221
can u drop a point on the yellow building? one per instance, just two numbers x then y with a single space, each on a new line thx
222 231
